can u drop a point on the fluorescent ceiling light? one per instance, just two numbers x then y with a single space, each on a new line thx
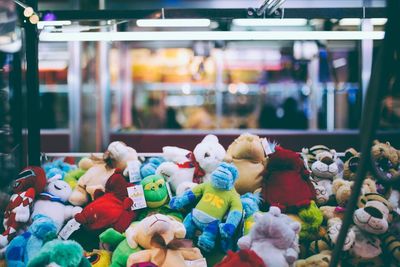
173 22
349 22
379 22
269 22
210 36
42 24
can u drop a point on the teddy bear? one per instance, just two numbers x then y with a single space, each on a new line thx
248 154
286 182
156 195
60 253
117 156
274 238
117 243
72 176
216 198
184 169
161 237
111 209
342 189
351 160
29 183
322 259
25 246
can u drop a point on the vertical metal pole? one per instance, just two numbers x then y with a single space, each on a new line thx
32 83
16 105
219 84
74 95
367 47
330 109
313 70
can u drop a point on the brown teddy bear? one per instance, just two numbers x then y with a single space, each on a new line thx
248 155
342 189
351 160
319 260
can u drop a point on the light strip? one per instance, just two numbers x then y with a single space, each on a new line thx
379 21
42 24
210 36
357 22
173 22
269 22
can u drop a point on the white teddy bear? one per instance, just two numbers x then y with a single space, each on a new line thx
184 169
52 202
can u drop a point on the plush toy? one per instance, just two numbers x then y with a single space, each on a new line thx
73 176
342 189
322 259
311 219
286 183
60 253
113 209
99 258
24 247
29 183
57 167
242 258
150 166
53 202
119 245
185 169
217 198
250 203
117 156
273 238
249 156
156 195
386 158
351 160
161 238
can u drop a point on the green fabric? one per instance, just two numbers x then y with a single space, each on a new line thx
112 237
121 254
215 202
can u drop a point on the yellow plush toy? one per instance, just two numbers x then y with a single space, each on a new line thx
248 155
99 258
319 260
163 243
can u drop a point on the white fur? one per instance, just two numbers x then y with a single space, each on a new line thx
208 153
394 199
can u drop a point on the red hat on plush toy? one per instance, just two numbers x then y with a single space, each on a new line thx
287 183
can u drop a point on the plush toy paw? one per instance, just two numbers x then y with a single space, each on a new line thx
226 229
205 243
291 256
76 210
176 203
3 241
22 214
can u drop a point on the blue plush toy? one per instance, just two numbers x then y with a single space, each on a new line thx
149 167
250 204
25 246
217 198
57 167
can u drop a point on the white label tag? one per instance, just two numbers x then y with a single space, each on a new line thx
136 193
266 147
68 229
169 190
134 171
197 263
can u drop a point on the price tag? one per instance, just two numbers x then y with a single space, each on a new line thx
266 147
197 263
169 190
134 171
68 229
136 193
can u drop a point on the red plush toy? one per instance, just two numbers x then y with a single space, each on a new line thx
111 209
30 182
242 258
287 184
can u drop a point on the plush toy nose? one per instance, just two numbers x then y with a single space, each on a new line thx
327 160
374 212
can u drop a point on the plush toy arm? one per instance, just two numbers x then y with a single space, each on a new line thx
138 257
291 255
228 228
22 213
244 242
39 261
70 211
187 197
112 237
15 251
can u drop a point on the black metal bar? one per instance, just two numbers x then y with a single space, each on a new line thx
377 89
215 14
32 83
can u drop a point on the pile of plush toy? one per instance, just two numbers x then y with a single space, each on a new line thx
254 204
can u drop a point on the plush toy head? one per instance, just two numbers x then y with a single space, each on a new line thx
43 227
155 191
334 226
142 233
209 153
284 159
385 155
351 160
321 194
60 253
224 176
85 164
250 203
246 146
322 259
118 154
59 188
342 189
373 214
275 227
30 177
325 165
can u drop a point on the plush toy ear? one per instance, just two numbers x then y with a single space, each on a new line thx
274 211
305 150
296 227
131 234
210 138
351 152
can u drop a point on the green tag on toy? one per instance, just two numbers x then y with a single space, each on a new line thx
136 193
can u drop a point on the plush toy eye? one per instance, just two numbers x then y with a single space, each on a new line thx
160 183
149 186
206 155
